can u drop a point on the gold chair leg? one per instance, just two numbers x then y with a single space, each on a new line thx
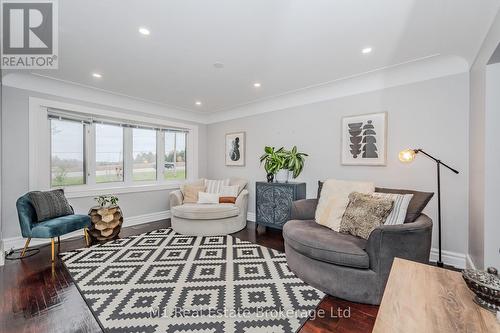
25 247
53 245
86 234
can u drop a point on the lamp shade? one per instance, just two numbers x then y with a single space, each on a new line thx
407 155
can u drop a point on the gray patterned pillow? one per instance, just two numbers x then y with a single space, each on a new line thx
50 204
364 213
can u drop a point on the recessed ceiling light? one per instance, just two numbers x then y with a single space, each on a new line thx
257 85
218 65
198 103
96 75
144 31
366 50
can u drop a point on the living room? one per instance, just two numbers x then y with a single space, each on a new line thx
228 166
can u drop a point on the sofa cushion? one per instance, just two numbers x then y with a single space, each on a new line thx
60 226
205 211
241 183
323 244
417 202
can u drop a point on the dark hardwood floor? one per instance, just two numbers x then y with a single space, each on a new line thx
38 296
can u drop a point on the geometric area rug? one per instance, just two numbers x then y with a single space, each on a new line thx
162 281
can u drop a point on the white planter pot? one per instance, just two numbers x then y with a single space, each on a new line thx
282 176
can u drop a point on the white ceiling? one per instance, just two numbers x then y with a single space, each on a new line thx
284 44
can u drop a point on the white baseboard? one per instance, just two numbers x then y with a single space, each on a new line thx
449 257
251 217
470 263
18 242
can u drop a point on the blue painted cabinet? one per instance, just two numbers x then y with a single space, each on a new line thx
274 202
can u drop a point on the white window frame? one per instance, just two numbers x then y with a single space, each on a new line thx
39 151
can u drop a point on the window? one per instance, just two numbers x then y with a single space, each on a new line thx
108 153
67 165
92 154
175 155
144 154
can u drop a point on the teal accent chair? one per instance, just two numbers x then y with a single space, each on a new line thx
56 227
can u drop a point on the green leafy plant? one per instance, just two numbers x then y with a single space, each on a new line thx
274 160
294 161
106 200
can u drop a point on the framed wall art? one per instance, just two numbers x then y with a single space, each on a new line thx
235 149
364 139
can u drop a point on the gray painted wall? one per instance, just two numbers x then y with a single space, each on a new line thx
492 166
477 150
432 115
15 168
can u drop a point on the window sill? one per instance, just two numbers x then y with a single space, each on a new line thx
83 192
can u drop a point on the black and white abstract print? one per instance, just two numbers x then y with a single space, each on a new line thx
162 281
364 139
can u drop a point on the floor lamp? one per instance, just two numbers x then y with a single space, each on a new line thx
407 156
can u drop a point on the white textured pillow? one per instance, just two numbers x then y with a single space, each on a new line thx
208 198
229 191
401 202
215 186
335 198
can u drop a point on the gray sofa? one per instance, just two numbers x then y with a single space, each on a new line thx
346 266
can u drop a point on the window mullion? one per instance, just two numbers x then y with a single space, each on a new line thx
128 158
90 153
160 156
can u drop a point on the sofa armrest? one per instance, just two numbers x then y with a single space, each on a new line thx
175 198
411 241
242 200
304 209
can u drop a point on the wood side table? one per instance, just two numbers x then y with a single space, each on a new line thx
428 299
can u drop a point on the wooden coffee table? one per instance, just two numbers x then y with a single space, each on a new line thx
423 298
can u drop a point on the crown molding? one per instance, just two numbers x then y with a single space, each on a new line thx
71 90
413 71
422 69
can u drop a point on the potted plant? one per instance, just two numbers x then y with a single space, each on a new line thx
279 164
274 161
106 201
294 161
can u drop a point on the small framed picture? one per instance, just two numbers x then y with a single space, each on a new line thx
235 149
364 139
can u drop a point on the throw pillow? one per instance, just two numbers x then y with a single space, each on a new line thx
50 204
398 212
335 198
364 213
198 182
191 193
215 186
417 203
229 191
208 198
230 200
228 194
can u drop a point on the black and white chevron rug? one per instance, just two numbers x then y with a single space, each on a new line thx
162 281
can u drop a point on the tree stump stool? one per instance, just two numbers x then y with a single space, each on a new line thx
106 223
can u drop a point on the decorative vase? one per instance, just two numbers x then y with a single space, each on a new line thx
270 177
282 176
106 223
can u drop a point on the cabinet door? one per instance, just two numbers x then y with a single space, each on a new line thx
265 204
283 197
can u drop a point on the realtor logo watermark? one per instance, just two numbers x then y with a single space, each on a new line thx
29 34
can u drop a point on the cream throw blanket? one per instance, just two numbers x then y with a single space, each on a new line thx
335 198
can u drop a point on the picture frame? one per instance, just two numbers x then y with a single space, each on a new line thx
235 153
364 139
